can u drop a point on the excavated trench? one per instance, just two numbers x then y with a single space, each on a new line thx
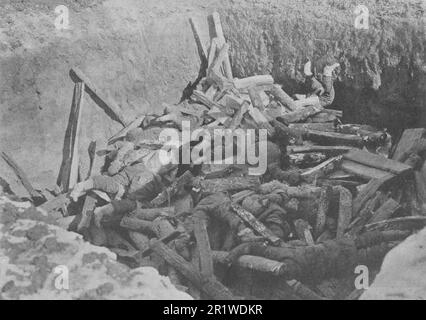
143 53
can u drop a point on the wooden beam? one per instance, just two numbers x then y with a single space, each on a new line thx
100 98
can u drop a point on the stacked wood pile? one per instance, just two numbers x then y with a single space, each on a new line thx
331 201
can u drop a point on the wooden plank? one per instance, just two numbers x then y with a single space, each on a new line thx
78 102
376 161
409 139
385 211
259 227
363 171
213 288
203 246
100 98
21 175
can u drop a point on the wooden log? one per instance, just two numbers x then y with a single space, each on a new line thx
202 98
254 263
231 184
332 150
100 98
385 211
323 208
325 127
322 169
279 94
238 117
165 239
253 81
333 138
136 224
77 107
363 171
304 160
376 161
255 98
345 211
221 42
213 288
409 139
22 176
212 51
150 214
203 245
87 213
257 226
369 191
301 114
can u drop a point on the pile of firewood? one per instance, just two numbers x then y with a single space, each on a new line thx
334 198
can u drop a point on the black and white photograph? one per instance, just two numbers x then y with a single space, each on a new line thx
212 154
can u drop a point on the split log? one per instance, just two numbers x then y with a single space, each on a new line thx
200 97
325 127
409 139
403 223
363 171
322 169
257 226
254 263
261 121
345 211
136 224
255 98
22 176
385 211
211 287
150 214
231 101
212 51
221 42
231 184
301 114
333 138
203 245
260 80
75 138
101 99
122 133
279 94
376 161
87 213
184 180
331 150
323 207
238 116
